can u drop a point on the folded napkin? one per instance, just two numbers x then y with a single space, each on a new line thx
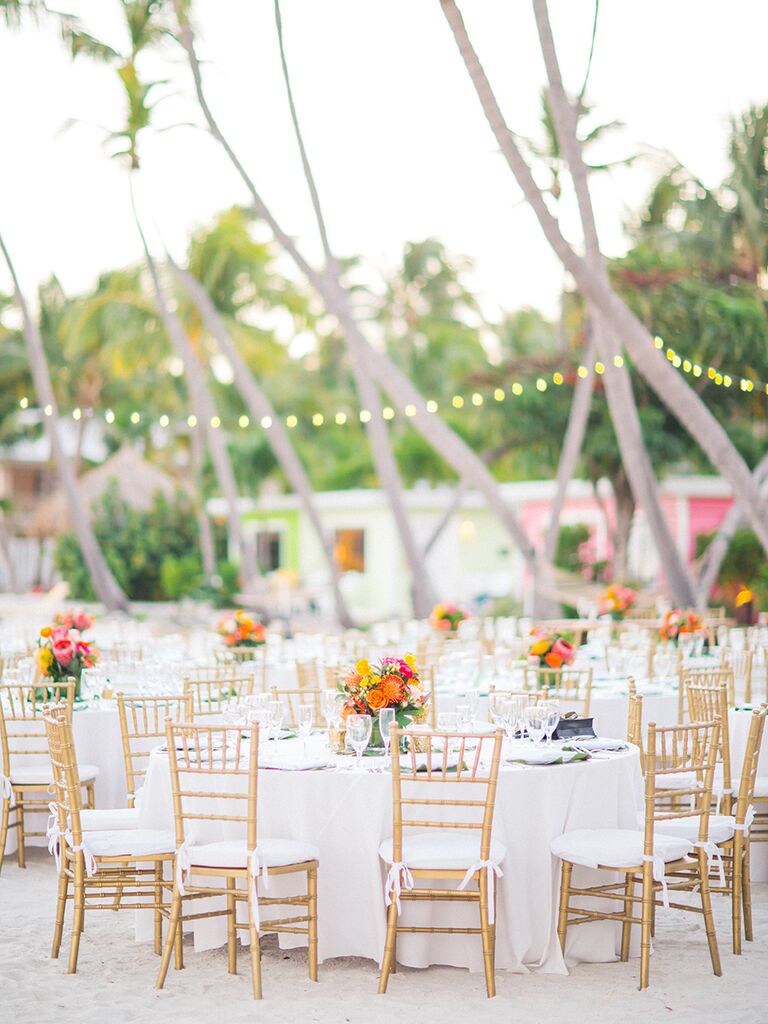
286 762
546 756
591 743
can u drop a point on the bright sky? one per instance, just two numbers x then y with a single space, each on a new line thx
399 145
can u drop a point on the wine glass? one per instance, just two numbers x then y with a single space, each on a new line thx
447 721
472 698
358 735
496 703
511 713
535 721
386 721
329 706
304 722
463 717
552 710
276 714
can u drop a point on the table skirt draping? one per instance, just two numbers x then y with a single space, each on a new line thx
347 815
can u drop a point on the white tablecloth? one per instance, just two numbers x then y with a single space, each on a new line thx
347 815
738 725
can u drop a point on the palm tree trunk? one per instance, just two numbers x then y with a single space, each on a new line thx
573 442
259 406
207 546
717 548
624 499
401 390
618 384
104 583
200 400
684 404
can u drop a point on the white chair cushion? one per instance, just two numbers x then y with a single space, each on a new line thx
139 842
109 820
614 847
685 780
438 850
275 853
40 775
720 828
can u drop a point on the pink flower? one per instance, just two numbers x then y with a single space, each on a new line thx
564 649
63 651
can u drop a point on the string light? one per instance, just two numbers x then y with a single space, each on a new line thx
599 368
24 402
557 378
291 422
48 410
388 412
109 416
618 361
541 384
365 416
498 394
432 404
76 414
341 419
582 372
318 419
517 388
477 399
164 420
135 417
266 422
192 421
215 422
457 402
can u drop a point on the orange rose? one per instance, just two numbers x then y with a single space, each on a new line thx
377 699
392 688
553 660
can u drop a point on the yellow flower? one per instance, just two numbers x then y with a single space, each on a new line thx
362 667
438 611
540 647
44 659
368 681
46 631
410 661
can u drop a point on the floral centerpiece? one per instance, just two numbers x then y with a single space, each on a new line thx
79 619
677 621
553 649
62 654
392 683
240 630
446 617
616 601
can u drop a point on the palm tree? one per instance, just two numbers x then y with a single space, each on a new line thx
386 373
104 583
671 388
145 30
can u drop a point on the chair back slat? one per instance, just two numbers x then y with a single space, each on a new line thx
215 693
65 784
680 750
571 685
708 699
142 725
22 725
291 699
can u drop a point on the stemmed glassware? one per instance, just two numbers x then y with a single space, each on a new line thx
552 709
275 721
535 717
359 735
386 721
304 723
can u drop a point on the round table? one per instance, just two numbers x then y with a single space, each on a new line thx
347 814
738 728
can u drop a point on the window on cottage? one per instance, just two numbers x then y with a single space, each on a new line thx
268 549
349 550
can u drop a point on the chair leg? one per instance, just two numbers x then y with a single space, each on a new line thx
79 914
389 948
746 891
255 949
158 904
562 918
646 918
706 906
486 933
118 890
174 927
734 884
626 927
61 908
231 929
4 829
20 831
312 927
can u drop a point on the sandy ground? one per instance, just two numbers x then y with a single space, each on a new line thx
115 979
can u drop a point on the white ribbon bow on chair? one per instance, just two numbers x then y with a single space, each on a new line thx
6 788
91 866
748 819
394 884
183 865
493 871
53 834
258 869
712 851
659 875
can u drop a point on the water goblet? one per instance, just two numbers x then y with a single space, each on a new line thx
276 713
304 722
463 717
386 721
552 709
447 721
535 720
359 735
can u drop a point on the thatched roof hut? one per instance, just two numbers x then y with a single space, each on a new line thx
137 481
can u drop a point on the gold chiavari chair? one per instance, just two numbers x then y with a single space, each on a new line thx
291 699
463 847
142 727
308 675
740 664
333 675
213 769
568 685
635 724
646 857
731 835
706 700
215 695
26 774
706 676
101 867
